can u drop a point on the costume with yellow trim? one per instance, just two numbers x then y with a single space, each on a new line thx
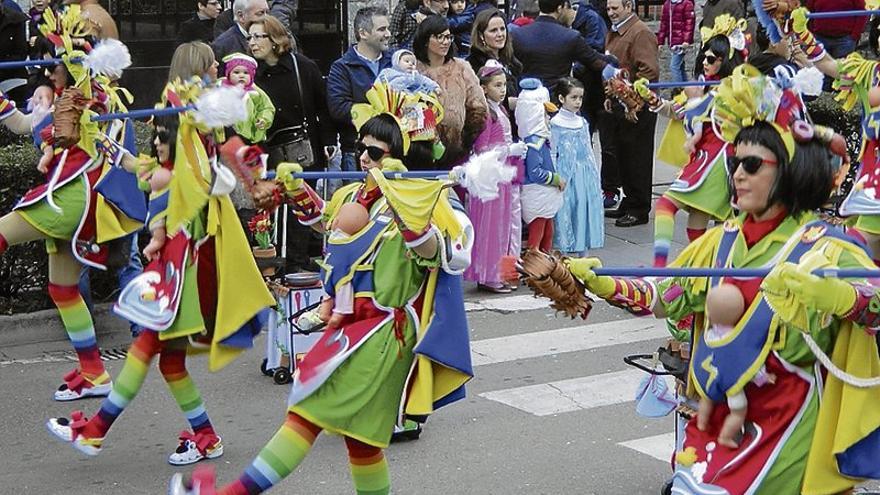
97 194
405 349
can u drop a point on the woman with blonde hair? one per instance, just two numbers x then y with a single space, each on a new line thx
193 59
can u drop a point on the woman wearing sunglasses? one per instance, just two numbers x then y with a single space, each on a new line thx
796 436
700 188
366 373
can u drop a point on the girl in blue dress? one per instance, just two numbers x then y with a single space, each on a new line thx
580 223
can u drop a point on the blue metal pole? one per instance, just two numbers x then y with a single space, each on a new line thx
640 271
683 84
142 113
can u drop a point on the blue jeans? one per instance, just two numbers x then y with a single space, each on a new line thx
838 46
676 65
124 275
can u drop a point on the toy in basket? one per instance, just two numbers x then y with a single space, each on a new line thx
293 327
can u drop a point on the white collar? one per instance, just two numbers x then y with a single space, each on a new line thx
567 119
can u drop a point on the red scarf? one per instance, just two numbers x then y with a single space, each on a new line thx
754 231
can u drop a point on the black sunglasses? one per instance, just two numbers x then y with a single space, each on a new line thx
163 135
374 152
711 59
750 164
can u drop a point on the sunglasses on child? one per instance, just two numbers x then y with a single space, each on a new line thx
374 152
750 164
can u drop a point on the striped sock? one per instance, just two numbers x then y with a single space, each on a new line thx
126 385
80 329
279 457
172 365
369 469
694 234
664 227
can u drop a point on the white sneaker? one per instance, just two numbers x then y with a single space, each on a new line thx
188 452
76 386
63 429
202 483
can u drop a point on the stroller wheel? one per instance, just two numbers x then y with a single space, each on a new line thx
667 488
281 376
264 367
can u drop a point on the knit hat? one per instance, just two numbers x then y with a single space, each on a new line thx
395 58
240 60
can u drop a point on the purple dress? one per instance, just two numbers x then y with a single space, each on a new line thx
496 232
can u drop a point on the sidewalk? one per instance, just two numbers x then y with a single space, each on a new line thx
623 247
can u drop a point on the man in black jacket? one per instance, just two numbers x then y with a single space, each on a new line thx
234 39
200 27
547 47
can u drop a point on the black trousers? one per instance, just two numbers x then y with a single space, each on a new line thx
628 158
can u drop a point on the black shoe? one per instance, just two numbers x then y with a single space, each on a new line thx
630 220
618 213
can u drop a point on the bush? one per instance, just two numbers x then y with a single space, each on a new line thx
24 268
825 111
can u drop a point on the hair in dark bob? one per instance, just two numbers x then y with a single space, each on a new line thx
170 123
803 183
420 156
719 45
563 88
432 25
386 129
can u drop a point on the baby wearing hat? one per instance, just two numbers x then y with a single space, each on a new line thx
240 71
402 75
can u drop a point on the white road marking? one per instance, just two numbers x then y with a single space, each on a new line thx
576 394
659 447
573 339
508 304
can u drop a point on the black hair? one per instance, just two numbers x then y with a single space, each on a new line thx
170 123
761 38
802 183
720 46
430 26
420 156
550 6
564 86
385 128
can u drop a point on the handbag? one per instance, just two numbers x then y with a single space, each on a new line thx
295 145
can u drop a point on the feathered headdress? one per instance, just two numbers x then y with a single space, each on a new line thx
416 114
731 28
747 97
856 77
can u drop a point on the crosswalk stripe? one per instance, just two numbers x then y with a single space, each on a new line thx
659 447
573 339
564 396
509 304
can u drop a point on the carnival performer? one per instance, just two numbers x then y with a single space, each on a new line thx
497 223
202 289
541 195
700 188
384 359
798 437
240 71
82 206
580 222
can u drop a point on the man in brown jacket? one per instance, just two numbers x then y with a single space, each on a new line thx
103 26
628 147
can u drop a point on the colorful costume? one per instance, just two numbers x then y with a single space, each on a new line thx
87 200
580 222
496 225
807 432
540 197
191 297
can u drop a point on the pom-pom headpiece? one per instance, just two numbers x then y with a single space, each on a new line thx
416 114
731 28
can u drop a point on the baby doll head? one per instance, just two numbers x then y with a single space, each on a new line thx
725 305
404 60
351 218
693 91
874 97
240 70
43 97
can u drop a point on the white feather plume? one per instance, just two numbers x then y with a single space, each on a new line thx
482 173
808 81
109 58
222 106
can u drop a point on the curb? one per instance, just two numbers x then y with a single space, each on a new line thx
45 326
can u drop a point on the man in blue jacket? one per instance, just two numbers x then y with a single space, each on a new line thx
352 75
547 47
